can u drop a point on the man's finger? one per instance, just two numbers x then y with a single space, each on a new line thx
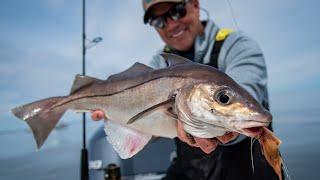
227 137
183 136
97 115
207 145
190 138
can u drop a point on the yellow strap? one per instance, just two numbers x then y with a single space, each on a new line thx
223 34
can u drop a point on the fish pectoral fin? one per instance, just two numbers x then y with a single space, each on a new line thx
125 141
168 104
82 81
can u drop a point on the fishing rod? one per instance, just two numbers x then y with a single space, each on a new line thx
84 171
84 168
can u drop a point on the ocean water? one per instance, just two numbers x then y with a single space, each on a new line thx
59 157
300 148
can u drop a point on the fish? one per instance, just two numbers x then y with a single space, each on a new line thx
141 102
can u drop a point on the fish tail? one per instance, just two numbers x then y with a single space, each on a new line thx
41 117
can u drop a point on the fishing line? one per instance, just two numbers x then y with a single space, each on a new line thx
96 8
253 140
232 14
206 12
285 168
286 171
101 10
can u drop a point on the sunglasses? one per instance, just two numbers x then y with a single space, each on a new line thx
175 13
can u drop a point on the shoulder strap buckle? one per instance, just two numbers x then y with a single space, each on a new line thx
223 34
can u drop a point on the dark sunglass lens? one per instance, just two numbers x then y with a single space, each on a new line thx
157 22
178 11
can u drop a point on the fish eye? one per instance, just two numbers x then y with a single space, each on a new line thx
223 96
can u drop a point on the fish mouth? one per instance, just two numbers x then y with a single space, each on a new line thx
253 132
254 128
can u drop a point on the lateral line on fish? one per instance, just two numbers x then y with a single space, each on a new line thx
105 95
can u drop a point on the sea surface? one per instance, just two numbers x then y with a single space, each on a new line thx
59 158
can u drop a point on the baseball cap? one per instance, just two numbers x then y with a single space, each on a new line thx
147 4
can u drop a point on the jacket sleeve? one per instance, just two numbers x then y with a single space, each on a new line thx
242 60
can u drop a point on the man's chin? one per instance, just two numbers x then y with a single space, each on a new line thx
182 46
183 43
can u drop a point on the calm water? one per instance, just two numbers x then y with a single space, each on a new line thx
300 132
59 158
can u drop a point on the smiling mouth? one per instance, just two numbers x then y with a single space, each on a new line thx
178 33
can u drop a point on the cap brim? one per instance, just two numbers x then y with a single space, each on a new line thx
146 16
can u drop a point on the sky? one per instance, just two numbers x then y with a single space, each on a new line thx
40 46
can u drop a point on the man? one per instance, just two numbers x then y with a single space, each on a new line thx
229 156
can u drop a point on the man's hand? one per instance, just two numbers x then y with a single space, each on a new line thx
97 115
206 145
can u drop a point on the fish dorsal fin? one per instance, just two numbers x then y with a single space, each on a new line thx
134 70
82 81
173 59
125 141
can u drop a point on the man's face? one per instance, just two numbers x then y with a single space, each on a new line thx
179 34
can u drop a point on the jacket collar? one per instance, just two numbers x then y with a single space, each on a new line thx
202 43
